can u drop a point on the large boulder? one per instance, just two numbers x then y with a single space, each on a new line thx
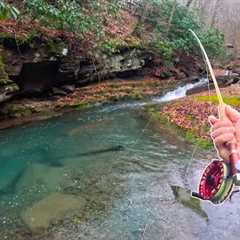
123 64
52 178
51 209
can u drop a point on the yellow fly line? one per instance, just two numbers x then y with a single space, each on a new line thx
219 95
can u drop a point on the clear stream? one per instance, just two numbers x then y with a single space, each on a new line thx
122 170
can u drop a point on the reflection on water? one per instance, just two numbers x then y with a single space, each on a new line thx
103 175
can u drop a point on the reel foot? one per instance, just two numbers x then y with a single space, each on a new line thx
237 190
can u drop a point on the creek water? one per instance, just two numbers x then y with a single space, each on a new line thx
121 169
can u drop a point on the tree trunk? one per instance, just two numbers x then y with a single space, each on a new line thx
171 16
215 12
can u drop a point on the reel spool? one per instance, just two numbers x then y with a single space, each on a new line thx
216 183
219 178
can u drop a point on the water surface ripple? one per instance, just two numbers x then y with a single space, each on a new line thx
120 169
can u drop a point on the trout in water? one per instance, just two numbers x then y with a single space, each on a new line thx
104 150
55 161
184 197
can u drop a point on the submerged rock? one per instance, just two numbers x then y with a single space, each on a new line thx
52 178
50 209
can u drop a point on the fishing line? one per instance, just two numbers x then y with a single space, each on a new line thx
188 164
219 178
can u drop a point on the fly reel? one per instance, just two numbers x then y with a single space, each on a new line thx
219 178
216 182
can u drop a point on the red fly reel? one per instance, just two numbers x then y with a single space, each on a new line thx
218 178
216 183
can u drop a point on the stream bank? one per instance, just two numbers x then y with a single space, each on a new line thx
189 115
26 110
45 71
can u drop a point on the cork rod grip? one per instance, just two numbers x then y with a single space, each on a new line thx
234 158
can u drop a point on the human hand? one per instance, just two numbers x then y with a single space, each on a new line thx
226 131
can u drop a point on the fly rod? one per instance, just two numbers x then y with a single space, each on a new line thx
219 178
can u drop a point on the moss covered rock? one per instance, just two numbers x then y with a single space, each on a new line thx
50 209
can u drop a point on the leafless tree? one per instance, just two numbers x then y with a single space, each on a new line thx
222 14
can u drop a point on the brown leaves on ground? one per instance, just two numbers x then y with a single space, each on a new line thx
218 72
192 115
22 29
123 26
108 91
27 110
26 30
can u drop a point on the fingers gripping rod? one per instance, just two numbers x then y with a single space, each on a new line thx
233 171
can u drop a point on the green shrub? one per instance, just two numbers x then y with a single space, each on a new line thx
113 8
113 46
8 11
171 22
76 16
65 14
162 47
214 42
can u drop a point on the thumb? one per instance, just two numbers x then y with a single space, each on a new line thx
232 114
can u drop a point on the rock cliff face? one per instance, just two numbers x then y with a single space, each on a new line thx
39 66
41 61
